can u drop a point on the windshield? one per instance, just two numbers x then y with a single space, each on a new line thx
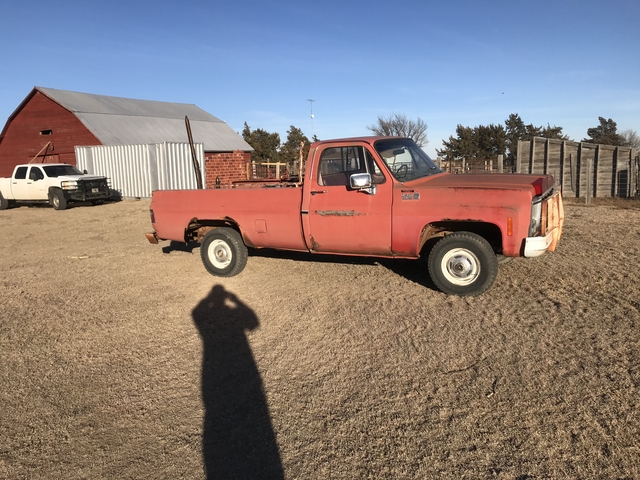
59 170
405 159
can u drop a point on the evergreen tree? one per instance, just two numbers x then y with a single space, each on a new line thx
266 146
606 133
290 150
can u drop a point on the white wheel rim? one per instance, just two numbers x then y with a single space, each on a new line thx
460 266
56 201
220 254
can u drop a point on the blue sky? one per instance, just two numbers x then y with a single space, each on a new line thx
451 62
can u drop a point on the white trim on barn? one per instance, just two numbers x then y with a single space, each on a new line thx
135 171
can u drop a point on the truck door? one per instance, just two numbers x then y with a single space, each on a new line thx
28 184
340 219
20 184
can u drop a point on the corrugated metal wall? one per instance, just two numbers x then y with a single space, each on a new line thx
137 170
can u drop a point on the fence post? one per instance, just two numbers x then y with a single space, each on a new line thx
500 163
562 165
589 182
519 157
594 175
545 162
532 154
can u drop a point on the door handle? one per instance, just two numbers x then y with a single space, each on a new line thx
316 192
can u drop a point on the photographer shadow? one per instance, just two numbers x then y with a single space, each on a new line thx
238 437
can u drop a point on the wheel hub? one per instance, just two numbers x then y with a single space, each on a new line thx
220 254
460 266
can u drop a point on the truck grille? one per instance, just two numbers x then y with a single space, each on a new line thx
98 188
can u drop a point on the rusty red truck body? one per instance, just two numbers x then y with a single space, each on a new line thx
372 196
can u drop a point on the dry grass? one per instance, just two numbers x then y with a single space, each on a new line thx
121 361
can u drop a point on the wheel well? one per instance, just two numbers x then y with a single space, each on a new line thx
197 229
434 231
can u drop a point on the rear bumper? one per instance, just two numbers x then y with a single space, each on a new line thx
552 225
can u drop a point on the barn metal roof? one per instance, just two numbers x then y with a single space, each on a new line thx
126 121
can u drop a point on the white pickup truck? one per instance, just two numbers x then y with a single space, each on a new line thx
55 183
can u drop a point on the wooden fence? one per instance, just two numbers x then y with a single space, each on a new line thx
474 165
583 170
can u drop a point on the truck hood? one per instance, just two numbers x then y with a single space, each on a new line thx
501 181
79 177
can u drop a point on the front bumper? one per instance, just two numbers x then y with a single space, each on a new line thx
152 237
551 230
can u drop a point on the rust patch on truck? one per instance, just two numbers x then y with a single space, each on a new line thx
338 213
315 246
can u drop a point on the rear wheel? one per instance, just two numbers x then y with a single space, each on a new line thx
223 252
57 200
463 263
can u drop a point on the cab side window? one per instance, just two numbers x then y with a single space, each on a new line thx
35 174
21 173
337 164
377 177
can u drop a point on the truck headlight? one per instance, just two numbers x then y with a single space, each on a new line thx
69 185
536 217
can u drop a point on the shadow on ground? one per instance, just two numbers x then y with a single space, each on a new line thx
238 437
413 270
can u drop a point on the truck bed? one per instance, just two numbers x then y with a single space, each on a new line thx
267 215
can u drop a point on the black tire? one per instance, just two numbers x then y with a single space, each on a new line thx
223 252
57 200
4 203
463 263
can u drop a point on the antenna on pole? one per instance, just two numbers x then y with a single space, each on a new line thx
311 105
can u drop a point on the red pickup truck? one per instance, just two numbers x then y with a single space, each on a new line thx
371 196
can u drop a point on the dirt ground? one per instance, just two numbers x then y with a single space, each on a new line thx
121 359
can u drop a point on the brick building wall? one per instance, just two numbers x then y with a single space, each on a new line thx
227 166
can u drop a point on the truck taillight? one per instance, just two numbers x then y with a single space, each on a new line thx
153 217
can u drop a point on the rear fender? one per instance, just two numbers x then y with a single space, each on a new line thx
198 228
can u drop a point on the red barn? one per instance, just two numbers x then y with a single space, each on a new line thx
49 123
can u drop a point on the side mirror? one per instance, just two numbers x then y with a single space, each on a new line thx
362 183
84 172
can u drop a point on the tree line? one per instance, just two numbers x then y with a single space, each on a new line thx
489 141
267 147
479 142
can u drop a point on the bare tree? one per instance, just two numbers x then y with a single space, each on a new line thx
398 125
631 138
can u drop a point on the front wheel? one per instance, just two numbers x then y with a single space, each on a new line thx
223 252
57 200
463 263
